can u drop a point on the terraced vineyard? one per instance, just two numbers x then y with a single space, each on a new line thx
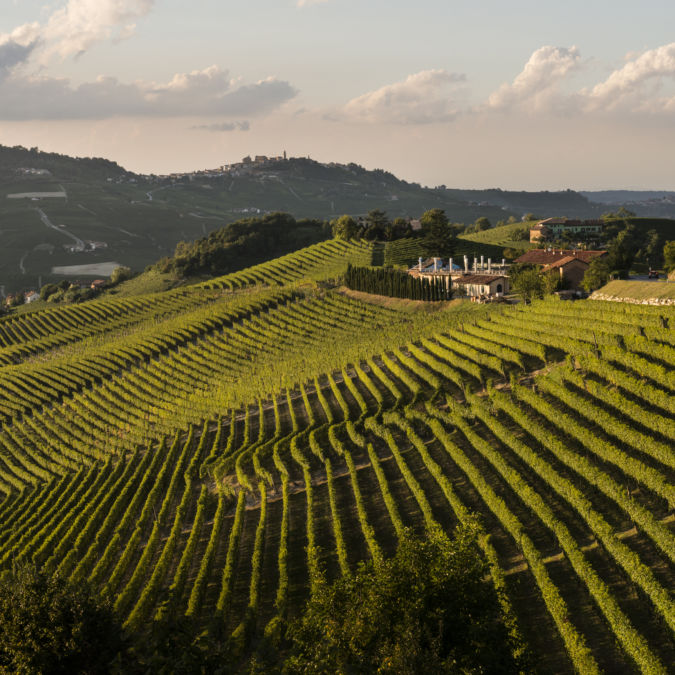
208 453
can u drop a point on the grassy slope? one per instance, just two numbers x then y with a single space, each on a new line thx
637 290
500 236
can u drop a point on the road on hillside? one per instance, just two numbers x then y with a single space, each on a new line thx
45 219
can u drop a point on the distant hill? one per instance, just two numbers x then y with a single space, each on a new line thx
645 203
579 204
59 211
86 214
543 204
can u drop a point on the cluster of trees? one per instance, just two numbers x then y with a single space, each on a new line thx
439 235
243 243
627 247
395 284
375 226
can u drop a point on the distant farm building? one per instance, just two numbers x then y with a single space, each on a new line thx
570 264
482 280
554 228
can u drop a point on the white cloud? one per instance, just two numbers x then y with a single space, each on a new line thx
625 85
242 125
421 98
75 27
207 92
537 84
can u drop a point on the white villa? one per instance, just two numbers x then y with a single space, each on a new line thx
480 280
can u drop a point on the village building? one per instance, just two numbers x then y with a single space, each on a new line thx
482 286
570 264
554 228
31 296
482 280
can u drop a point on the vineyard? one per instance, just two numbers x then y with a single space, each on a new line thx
210 453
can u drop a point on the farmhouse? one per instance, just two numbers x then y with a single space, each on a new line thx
553 228
482 285
570 264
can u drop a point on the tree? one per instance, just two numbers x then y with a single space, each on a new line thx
527 282
344 227
482 223
50 626
669 256
596 275
550 282
428 609
399 229
47 290
622 250
439 235
377 225
120 274
520 234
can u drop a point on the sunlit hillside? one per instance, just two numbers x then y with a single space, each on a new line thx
204 455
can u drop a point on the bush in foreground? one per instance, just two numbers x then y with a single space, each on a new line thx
49 626
429 609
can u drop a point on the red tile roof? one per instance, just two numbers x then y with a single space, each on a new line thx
477 278
540 256
566 260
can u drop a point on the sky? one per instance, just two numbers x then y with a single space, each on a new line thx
473 94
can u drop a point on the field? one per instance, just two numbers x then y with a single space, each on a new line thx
637 291
205 453
501 236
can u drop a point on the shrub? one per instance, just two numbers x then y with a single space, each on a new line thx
50 626
427 609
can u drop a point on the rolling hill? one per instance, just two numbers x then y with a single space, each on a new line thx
205 454
58 214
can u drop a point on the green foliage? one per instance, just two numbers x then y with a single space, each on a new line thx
395 284
669 256
479 225
241 243
596 275
50 626
344 227
439 236
426 609
120 274
47 290
520 234
526 281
